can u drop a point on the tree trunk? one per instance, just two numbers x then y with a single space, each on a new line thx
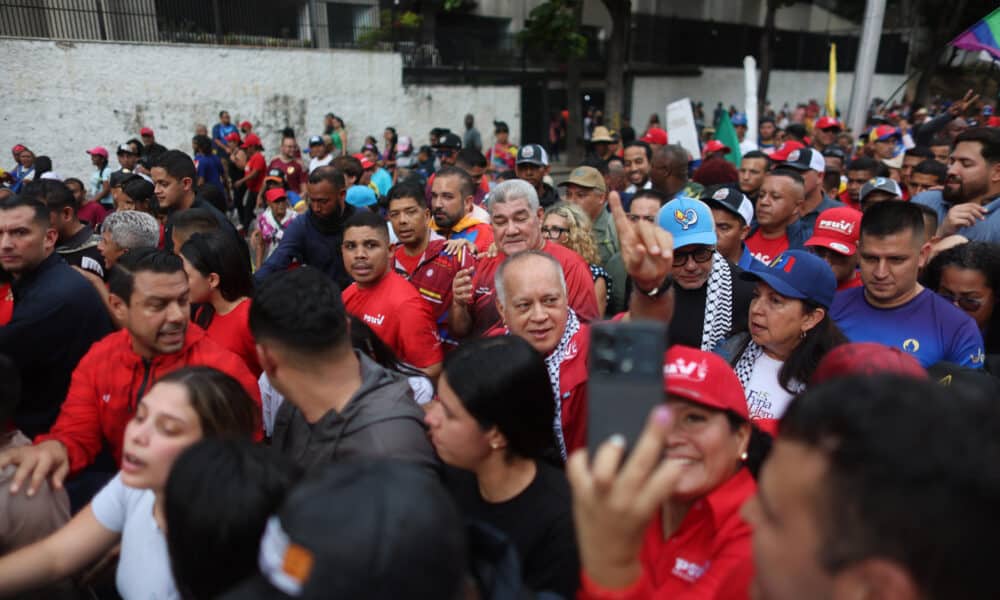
574 127
614 79
765 53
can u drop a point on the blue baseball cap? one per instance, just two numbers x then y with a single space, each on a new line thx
689 221
739 119
796 274
361 195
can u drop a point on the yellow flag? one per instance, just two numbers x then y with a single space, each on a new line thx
831 90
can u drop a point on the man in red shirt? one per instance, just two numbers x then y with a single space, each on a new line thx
253 171
453 192
531 296
835 240
420 255
778 228
383 299
517 226
149 294
289 164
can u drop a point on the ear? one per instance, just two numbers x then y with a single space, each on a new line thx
267 360
495 439
925 255
541 214
876 578
119 310
995 172
813 318
744 232
187 183
213 280
499 305
51 237
67 213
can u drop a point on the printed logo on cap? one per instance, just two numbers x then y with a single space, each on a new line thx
839 247
686 218
687 370
721 194
528 152
842 226
578 173
793 156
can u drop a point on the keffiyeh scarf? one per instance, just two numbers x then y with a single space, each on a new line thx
718 304
553 362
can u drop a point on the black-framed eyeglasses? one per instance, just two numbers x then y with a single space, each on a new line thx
646 218
964 302
554 233
700 255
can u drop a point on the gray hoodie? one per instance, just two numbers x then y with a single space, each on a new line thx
380 420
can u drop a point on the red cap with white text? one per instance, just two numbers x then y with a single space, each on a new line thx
703 378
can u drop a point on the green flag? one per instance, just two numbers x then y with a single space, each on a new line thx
727 135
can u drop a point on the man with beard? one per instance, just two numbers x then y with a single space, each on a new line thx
150 295
969 205
316 238
452 200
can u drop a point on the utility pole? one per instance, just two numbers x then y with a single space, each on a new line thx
864 68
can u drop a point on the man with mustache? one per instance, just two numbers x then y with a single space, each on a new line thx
421 255
453 192
969 205
383 299
149 294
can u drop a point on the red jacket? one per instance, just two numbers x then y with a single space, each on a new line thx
110 380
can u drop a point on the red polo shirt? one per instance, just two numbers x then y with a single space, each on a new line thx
709 557
432 274
232 332
579 288
399 316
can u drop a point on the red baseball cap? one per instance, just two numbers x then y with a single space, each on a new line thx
233 137
655 135
828 123
781 154
146 131
703 378
366 163
866 358
99 151
246 125
275 194
252 139
837 229
17 149
716 146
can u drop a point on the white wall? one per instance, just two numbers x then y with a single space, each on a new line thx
652 94
77 95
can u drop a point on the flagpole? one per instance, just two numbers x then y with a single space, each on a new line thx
864 69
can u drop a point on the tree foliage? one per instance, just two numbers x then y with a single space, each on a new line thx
551 26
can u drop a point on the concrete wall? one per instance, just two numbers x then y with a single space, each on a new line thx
77 95
652 94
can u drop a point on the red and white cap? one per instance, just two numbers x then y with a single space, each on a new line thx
837 229
655 135
716 146
703 378
828 123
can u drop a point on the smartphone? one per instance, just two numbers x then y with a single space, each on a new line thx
626 379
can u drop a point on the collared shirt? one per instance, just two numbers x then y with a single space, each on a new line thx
606 236
987 230
709 556
432 275
632 189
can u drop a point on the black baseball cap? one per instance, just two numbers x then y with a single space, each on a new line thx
731 199
449 140
805 159
350 531
315 141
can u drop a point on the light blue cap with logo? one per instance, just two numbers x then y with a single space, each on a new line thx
689 221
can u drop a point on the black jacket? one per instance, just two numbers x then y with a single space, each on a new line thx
57 316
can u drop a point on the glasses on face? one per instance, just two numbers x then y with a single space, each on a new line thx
646 218
964 302
552 232
700 255
445 153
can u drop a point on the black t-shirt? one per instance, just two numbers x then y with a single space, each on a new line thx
688 321
539 523
81 251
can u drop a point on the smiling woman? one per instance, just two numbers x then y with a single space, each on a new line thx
182 408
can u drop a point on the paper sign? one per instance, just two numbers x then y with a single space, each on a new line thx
680 127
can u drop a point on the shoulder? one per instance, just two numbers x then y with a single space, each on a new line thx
566 257
851 297
110 345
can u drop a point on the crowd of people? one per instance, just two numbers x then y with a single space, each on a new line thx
366 374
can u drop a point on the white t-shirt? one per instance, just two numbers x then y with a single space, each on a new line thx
766 399
315 163
144 565
632 188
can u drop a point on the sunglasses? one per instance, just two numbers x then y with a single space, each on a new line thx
701 255
646 218
964 302
553 233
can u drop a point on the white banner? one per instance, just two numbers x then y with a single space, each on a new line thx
681 129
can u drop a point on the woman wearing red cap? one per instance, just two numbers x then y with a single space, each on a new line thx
671 528
100 181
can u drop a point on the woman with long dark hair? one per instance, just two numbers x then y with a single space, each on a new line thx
492 421
968 275
790 331
219 277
